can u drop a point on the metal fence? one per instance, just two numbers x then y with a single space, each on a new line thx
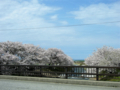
96 72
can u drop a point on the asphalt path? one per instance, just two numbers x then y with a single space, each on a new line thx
7 84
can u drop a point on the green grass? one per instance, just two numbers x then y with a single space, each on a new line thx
80 63
117 79
109 78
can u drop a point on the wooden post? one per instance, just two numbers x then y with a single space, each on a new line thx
97 72
19 70
40 71
66 75
0 70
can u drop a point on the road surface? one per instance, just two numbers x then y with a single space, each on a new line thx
6 84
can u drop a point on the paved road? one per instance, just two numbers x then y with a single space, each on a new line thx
6 84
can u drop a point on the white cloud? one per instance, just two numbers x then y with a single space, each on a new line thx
25 14
64 22
54 17
31 14
98 13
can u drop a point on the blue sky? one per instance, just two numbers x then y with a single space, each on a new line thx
23 21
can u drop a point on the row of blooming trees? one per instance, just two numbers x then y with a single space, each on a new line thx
16 53
105 56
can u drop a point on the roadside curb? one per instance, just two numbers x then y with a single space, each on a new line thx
64 81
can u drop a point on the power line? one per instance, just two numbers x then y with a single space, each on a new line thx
63 26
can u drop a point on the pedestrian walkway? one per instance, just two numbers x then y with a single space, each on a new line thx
63 81
7 84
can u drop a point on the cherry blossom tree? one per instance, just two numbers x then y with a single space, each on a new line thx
28 54
57 57
105 56
16 53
